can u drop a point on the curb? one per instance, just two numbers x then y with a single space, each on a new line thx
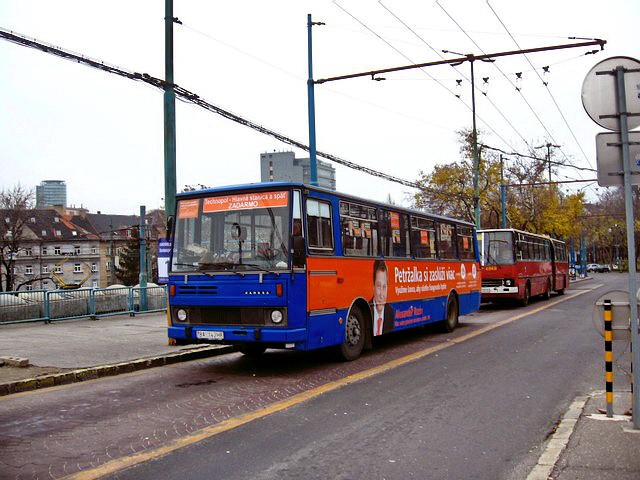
92 373
558 441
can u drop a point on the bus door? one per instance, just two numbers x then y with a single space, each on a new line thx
322 271
554 260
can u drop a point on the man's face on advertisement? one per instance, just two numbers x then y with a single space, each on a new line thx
380 289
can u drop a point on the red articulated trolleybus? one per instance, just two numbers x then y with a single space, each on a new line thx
517 265
287 265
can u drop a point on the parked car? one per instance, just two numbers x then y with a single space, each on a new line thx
598 267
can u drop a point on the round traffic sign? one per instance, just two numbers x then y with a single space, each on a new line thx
599 96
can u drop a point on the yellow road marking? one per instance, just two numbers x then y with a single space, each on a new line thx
125 462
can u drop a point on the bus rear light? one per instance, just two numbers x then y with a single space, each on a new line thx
279 289
172 290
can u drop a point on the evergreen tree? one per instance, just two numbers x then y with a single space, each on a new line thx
128 271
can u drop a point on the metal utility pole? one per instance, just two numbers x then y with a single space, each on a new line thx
143 260
170 187
313 160
549 145
503 193
457 61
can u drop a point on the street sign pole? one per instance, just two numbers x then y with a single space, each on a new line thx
631 247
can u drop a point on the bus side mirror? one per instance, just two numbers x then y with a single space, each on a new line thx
299 253
170 225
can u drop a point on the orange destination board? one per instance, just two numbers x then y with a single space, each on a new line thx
245 201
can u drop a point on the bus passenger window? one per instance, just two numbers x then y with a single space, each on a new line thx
320 233
446 241
465 243
359 230
423 237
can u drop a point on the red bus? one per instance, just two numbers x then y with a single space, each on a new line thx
286 265
518 265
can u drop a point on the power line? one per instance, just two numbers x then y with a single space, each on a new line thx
463 75
423 71
560 164
190 97
546 84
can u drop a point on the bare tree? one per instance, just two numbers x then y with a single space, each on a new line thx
15 204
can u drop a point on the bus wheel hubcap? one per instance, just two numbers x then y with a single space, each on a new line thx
353 330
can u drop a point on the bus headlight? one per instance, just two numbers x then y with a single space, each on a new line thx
181 315
276 316
508 282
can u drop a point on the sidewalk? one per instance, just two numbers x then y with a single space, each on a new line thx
75 350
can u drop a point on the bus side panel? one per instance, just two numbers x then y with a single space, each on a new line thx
469 302
417 290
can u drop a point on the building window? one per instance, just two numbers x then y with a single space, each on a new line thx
58 233
56 219
45 269
94 284
57 251
57 269
28 252
74 233
94 250
76 250
108 265
44 250
77 268
28 287
28 270
94 267
44 233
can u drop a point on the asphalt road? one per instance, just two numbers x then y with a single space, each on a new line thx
472 404
479 409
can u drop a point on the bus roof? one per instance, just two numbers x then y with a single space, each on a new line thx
276 185
541 235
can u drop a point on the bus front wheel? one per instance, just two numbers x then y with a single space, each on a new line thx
354 336
526 296
252 349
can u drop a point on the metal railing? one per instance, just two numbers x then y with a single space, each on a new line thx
54 305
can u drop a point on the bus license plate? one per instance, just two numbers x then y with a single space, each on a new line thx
209 335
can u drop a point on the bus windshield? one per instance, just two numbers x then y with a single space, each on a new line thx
237 232
497 248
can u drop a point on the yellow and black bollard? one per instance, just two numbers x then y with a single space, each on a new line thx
608 355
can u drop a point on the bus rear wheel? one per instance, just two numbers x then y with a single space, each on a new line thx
547 293
450 323
354 336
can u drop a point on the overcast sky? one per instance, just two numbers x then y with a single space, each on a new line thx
103 134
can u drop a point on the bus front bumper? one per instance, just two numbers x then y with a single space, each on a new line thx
230 334
499 290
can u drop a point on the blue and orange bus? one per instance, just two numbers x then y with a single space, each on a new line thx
518 265
287 265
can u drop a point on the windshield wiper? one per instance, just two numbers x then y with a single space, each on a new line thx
262 269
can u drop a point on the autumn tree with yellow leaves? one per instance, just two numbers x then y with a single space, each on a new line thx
531 205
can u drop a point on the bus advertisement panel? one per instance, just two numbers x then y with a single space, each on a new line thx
284 265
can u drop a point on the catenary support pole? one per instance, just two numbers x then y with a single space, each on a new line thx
313 160
169 116
633 284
